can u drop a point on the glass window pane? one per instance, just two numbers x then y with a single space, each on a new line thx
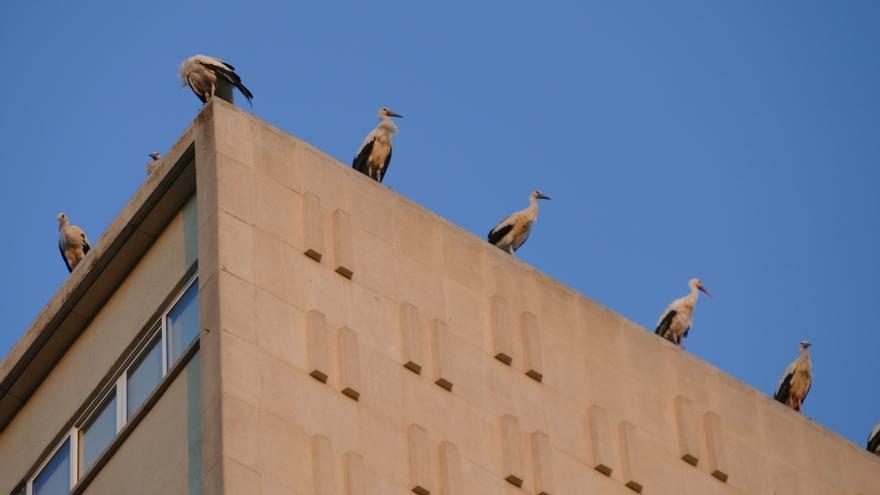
54 479
143 377
183 323
97 434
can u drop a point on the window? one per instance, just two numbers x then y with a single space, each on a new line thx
182 323
97 434
55 478
143 376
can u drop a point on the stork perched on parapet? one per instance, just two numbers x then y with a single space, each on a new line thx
795 382
676 321
209 76
874 440
374 155
154 164
73 243
511 233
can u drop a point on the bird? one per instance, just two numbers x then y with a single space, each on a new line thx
153 165
795 382
374 155
874 440
676 321
511 233
72 242
207 76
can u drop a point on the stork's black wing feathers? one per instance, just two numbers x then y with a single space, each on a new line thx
496 234
228 72
69 268
784 389
86 246
663 328
360 161
874 442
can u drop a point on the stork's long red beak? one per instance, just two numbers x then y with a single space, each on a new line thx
704 291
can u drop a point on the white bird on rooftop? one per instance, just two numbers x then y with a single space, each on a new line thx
374 155
153 165
511 233
72 242
209 76
795 382
874 440
675 322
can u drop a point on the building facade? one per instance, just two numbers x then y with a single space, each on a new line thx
260 319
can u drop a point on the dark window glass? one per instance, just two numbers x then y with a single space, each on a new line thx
54 479
143 377
97 434
183 323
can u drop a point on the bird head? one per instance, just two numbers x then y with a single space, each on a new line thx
155 156
697 284
62 220
386 112
539 195
805 345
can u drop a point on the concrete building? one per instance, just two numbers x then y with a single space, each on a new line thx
260 319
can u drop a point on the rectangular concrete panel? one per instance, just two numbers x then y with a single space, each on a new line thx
502 329
313 231
355 474
322 466
419 460
343 247
442 354
542 458
685 421
600 440
450 470
349 363
531 340
511 451
317 344
630 457
716 453
411 338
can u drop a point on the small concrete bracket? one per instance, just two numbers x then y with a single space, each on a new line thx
322 465
349 363
531 340
450 470
600 440
313 231
316 343
511 450
343 247
502 329
355 476
411 338
630 457
419 460
542 457
688 440
442 355
716 455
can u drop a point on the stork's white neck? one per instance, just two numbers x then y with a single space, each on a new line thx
387 125
532 210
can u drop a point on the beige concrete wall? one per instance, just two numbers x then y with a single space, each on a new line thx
92 355
430 296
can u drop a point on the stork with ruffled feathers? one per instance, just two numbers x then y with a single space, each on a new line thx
676 321
795 383
374 155
210 76
512 232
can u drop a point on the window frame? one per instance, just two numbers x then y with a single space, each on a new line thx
72 475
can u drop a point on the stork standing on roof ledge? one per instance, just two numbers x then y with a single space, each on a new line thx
796 381
512 232
72 242
874 440
374 155
153 165
676 321
209 76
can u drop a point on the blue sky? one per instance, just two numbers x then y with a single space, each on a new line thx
732 141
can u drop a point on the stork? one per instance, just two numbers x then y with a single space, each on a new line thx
153 165
874 440
795 382
676 321
207 76
374 155
72 242
511 233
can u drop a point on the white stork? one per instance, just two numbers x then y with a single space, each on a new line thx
874 440
512 232
374 155
72 242
795 382
153 165
676 321
207 76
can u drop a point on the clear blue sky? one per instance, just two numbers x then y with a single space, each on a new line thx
733 141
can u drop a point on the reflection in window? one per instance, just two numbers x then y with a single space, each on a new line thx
97 434
54 479
143 377
182 324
